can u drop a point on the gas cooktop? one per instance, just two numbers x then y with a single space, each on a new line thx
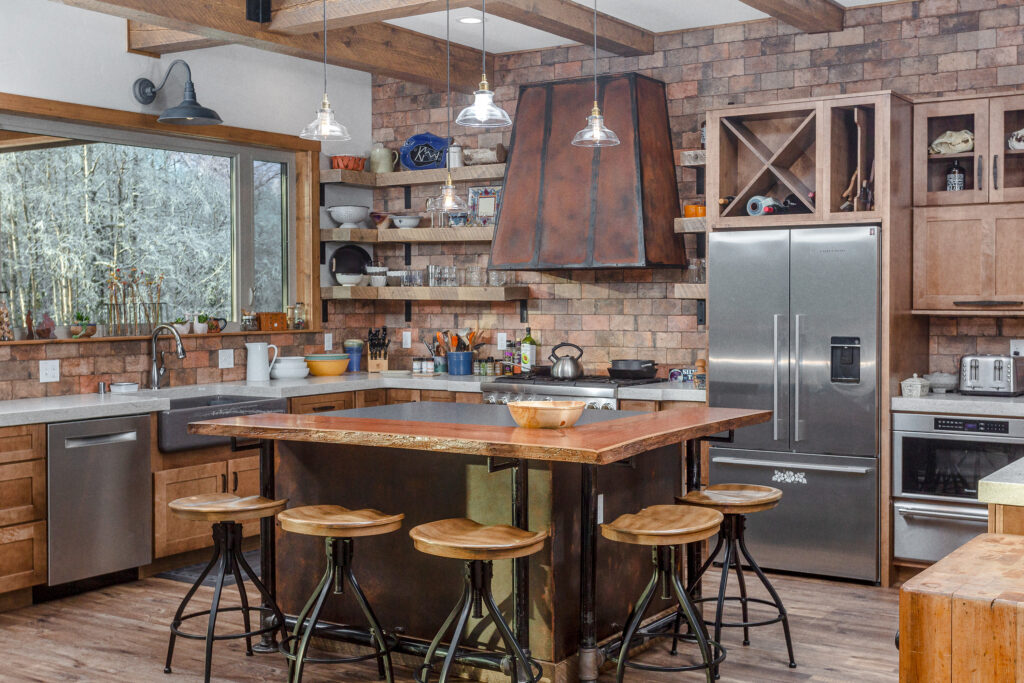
584 381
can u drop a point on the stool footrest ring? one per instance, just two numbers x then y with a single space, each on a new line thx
641 636
391 642
273 626
741 624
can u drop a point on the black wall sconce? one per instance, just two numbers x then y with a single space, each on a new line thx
189 112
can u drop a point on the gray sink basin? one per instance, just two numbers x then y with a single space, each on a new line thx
172 425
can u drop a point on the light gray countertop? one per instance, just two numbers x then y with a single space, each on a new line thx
959 404
87 406
1003 487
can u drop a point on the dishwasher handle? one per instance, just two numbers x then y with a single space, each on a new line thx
980 517
100 439
843 469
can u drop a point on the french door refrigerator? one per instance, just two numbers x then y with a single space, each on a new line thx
793 328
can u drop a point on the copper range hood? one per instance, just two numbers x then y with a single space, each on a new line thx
577 207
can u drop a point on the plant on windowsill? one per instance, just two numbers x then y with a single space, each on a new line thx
82 327
181 324
201 324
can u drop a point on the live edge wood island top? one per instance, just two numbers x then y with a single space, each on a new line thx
598 442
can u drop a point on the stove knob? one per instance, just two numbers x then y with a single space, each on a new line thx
607 406
593 404
492 400
504 400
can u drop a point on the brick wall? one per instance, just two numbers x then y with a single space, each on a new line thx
915 48
954 337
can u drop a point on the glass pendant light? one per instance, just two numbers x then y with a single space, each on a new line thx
325 126
448 201
484 113
595 134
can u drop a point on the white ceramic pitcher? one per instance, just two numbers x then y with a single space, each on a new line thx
257 361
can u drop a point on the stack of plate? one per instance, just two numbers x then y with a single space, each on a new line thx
289 367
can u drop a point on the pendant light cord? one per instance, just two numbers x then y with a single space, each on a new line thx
595 51
448 70
483 36
325 47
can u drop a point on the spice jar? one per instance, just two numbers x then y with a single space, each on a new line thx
417 366
427 365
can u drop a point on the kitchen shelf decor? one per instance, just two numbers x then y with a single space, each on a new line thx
407 235
460 174
515 293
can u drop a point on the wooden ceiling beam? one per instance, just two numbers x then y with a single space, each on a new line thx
569 20
810 16
575 22
157 40
375 48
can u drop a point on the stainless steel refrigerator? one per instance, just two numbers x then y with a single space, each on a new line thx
793 328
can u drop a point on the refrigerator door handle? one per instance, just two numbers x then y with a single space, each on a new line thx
843 469
796 382
775 377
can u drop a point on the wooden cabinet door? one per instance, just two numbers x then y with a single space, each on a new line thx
469 397
22 492
437 396
24 442
1008 255
371 397
1006 116
172 534
244 480
403 396
640 406
22 556
931 119
953 258
321 404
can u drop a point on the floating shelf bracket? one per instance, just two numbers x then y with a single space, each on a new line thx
408 311
524 311
702 312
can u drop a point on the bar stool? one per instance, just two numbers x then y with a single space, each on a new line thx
665 528
338 526
736 501
479 546
225 510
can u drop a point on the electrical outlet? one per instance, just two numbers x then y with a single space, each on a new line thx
49 371
600 508
502 341
1017 347
226 358
328 341
407 339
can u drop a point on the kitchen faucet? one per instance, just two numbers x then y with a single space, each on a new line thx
155 373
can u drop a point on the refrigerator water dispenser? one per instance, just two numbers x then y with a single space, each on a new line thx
845 360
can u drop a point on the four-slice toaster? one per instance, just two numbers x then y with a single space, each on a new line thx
989 375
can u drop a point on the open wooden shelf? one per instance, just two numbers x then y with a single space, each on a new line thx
403 235
958 155
462 174
690 290
974 313
691 225
426 293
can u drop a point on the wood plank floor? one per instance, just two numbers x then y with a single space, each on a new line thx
841 632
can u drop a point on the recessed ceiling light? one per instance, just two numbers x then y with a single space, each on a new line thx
470 20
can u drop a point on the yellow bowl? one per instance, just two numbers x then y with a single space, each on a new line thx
546 414
327 368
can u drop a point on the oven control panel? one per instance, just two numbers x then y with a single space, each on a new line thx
959 424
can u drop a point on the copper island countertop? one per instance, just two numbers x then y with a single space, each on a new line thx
480 430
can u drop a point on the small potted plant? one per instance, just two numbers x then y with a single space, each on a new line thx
82 326
181 324
201 323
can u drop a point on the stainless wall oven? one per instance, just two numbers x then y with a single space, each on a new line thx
937 463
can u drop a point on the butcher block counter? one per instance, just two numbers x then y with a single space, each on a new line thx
433 461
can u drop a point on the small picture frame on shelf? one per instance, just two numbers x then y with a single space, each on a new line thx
483 204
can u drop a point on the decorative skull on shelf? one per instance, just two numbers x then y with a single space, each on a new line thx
1016 140
952 142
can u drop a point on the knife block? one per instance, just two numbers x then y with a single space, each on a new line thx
377 365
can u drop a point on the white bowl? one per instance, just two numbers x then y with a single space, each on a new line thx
378 280
349 279
290 360
349 216
941 382
406 221
376 270
289 371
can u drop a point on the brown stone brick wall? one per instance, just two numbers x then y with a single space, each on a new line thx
955 337
916 48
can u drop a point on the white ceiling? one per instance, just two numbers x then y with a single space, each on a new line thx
508 36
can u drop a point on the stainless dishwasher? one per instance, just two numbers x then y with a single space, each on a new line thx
99 497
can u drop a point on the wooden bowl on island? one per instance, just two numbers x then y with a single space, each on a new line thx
546 414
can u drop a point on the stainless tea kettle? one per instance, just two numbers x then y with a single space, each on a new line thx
566 367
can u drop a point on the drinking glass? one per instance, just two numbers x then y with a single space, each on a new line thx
476 276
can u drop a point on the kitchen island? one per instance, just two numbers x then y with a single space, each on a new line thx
431 461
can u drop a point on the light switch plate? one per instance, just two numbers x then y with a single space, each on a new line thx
226 358
407 339
49 371
328 341
502 341
1017 347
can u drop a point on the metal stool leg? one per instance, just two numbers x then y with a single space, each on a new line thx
523 668
635 617
720 605
691 583
237 572
424 674
696 625
384 656
211 626
460 627
771 591
191 592
268 599
743 590
300 621
314 617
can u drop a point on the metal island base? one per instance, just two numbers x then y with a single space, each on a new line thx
432 461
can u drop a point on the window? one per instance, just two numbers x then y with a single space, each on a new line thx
134 229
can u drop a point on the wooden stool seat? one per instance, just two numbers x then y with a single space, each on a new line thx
335 521
464 539
659 525
225 507
734 499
